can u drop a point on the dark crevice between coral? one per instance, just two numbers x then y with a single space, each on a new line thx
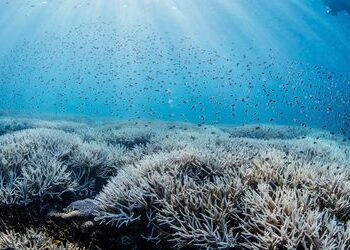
82 231
198 171
85 233
129 145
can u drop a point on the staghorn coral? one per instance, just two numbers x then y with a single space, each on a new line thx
288 218
11 124
32 239
164 184
198 196
41 163
31 166
37 163
267 132
182 185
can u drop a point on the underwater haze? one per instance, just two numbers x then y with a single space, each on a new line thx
226 62
175 124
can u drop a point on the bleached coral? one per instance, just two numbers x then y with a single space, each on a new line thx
190 193
32 239
253 187
267 132
11 124
41 163
217 193
31 167
288 218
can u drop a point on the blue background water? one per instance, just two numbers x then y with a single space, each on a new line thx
216 61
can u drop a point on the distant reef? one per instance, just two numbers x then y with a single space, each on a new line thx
160 185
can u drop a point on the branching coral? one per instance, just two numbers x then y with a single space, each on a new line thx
31 167
41 163
288 218
191 194
224 192
31 239
253 187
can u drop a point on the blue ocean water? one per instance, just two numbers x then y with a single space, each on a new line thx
207 62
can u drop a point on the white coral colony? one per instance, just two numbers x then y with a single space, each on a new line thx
188 186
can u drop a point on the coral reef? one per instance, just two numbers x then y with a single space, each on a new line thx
173 185
31 239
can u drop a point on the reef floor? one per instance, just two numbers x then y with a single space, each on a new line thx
68 184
